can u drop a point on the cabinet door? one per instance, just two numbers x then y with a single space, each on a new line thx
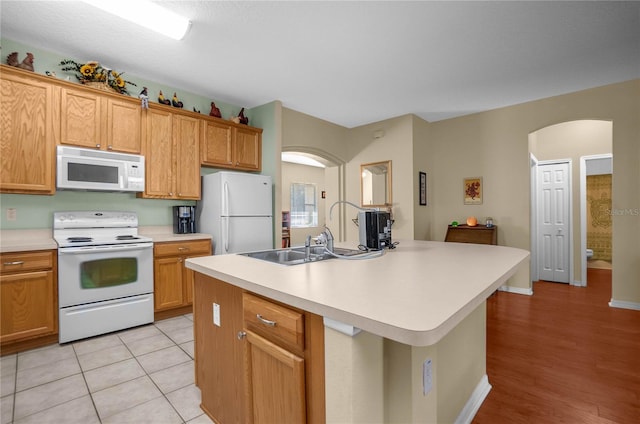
27 136
124 126
187 141
159 158
80 118
276 382
247 149
219 359
216 144
29 306
168 292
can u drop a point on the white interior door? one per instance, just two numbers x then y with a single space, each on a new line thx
554 191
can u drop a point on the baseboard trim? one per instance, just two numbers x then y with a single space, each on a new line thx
516 290
475 401
624 304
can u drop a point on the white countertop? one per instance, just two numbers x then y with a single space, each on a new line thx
42 239
26 240
414 294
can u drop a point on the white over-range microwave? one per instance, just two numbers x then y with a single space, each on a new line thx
95 170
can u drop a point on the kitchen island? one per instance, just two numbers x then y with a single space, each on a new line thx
420 356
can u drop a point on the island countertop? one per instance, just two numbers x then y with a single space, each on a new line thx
414 294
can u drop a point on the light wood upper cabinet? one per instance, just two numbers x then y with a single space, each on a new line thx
172 156
159 162
229 145
28 133
186 135
248 148
80 118
124 125
216 149
100 121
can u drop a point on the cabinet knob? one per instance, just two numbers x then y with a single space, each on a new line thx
241 335
170 194
109 147
98 146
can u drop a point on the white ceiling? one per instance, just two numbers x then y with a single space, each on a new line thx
353 63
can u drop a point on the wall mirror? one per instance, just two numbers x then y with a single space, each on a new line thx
375 184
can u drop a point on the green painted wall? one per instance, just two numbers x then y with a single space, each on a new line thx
35 211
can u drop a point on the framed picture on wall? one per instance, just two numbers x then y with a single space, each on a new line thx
422 184
473 191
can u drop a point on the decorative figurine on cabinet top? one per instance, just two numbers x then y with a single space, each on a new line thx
196 110
162 100
27 62
243 119
144 98
215 111
175 102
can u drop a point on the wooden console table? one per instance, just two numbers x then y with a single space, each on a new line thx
479 234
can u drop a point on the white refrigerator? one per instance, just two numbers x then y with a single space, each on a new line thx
236 209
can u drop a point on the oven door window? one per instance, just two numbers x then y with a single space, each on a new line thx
104 273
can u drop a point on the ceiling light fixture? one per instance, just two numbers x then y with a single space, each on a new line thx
148 15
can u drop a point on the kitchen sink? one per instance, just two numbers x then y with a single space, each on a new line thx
296 255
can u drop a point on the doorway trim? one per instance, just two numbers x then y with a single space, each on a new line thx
583 212
535 260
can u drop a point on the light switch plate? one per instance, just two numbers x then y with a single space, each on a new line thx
216 314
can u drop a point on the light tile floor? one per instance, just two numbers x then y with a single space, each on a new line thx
141 375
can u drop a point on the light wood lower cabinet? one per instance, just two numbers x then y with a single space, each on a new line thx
173 282
29 296
262 362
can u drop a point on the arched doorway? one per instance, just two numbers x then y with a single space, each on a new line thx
326 172
575 143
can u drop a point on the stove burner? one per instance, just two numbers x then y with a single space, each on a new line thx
127 237
78 239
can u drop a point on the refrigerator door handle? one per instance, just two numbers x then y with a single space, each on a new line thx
225 201
226 239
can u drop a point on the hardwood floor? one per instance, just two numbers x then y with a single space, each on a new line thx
562 356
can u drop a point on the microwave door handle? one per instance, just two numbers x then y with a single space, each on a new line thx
109 248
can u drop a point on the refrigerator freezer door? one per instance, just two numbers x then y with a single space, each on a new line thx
246 194
244 234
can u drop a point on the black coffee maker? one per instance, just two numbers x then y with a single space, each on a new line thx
184 219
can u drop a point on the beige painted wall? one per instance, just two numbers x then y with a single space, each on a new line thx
395 145
572 140
494 145
423 160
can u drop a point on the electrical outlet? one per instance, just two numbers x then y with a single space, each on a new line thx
216 314
11 214
427 377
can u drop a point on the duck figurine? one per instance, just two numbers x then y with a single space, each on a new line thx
162 100
175 102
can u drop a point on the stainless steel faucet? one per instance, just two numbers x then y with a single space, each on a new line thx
307 249
326 237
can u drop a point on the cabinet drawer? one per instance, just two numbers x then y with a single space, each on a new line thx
281 325
186 248
20 261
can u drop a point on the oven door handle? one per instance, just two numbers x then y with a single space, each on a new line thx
105 248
